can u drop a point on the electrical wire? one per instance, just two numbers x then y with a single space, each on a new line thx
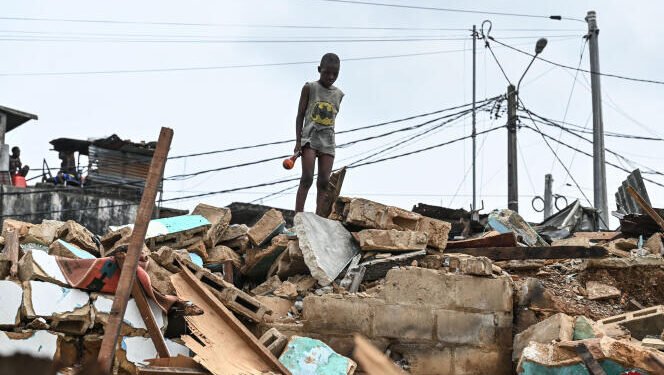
618 76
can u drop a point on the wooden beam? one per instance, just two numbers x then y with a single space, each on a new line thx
136 243
372 360
597 236
498 240
536 252
646 207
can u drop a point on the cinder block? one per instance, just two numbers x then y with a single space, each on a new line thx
425 359
466 328
482 293
474 361
336 314
274 341
404 322
640 323
267 227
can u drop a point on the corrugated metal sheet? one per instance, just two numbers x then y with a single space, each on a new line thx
624 201
118 167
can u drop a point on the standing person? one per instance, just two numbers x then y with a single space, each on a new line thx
15 165
314 130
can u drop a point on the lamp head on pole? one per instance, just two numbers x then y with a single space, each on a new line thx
539 47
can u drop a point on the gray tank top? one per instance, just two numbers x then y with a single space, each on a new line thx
323 104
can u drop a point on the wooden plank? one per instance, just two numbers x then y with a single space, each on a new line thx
591 363
371 360
646 207
597 236
497 240
536 252
223 345
136 243
11 249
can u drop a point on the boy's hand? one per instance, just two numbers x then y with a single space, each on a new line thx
297 149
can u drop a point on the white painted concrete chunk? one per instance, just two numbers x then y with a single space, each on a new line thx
42 344
140 349
326 245
11 298
49 299
49 265
132 317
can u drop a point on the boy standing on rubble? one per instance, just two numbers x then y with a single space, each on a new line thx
314 130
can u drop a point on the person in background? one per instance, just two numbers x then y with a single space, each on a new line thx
15 165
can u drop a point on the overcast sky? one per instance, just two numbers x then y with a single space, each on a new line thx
212 109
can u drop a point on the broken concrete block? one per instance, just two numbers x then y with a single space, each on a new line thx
506 221
653 342
267 287
279 308
65 249
234 231
91 346
39 344
167 258
199 249
559 327
655 244
160 277
271 224
68 310
38 324
640 323
221 254
290 262
391 240
367 214
134 324
44 233
135 351
470 265
326 245
599 291
11 299
239 244
37 265
258 261
274 341
437 231
78 235
286 290
377 268
20 226
304 355
219 219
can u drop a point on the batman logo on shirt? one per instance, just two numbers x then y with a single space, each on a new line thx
323 113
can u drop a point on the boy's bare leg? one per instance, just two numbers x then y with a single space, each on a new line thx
325 163
308 159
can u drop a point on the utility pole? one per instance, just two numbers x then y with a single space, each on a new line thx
474 135
548 196
512 173
599 166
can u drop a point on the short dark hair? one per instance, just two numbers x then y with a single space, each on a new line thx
329 59
15 148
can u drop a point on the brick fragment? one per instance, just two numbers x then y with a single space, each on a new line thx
274 341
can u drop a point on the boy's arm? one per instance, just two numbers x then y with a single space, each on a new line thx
299 120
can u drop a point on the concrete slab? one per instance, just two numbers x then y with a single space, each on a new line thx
38 265
11 299
326 245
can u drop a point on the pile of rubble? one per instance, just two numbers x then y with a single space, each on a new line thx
292 298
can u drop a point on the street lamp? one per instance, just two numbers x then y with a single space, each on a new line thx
539 47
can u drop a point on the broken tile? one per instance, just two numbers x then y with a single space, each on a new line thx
391 240
67 309
219 219
65 249
11 299
271 224
40 344
305 356
599 291
326 245
133 321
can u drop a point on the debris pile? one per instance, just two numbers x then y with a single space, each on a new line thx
412 292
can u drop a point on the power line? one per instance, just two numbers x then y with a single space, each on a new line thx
403 6
578 69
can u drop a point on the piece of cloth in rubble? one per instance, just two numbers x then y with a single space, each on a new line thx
320 116
103 274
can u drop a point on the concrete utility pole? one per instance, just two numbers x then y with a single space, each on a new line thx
599 166
548 196
474 135
512 174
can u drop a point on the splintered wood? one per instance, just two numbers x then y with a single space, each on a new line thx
221 342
